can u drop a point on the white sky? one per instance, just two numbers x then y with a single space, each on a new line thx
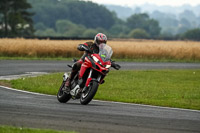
139 2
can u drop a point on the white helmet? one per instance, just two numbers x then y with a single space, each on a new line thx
100 38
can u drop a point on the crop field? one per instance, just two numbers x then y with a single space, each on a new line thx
123 49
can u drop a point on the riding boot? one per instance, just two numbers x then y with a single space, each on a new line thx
75 68
68 82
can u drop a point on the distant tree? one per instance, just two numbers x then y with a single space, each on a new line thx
138 21
63 26
122 12
142 21
167 22
169 30
122 35
153 28
89 14
49 32
189 16
118 29
101 30
165 19
90 33
69 29
4 10
193 34
139 34
16 19
182 29
40 26
166 36
198 20
39 33
76 32
184 25
185 22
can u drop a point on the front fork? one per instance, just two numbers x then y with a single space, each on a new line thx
90 78
75 90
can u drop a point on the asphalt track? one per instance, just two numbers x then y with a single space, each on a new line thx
42 111
15 67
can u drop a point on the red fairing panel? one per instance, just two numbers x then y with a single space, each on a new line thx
88 82
86 44
87 64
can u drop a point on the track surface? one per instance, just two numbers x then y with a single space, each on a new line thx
42 111
13 67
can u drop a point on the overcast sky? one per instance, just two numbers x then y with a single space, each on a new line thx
139 2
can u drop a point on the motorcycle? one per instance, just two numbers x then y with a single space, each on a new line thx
92 73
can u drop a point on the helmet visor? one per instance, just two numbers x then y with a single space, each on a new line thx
100 42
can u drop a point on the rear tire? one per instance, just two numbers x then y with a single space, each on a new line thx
62 96
88 95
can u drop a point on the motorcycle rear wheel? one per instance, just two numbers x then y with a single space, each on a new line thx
62 96
88 95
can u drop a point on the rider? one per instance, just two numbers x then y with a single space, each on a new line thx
93 48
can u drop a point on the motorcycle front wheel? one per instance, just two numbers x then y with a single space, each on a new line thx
62 96
88 94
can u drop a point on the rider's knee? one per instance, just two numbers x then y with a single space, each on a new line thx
76 66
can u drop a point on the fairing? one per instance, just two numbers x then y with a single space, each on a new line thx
98 62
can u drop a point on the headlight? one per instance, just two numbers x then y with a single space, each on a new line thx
108 66
95 59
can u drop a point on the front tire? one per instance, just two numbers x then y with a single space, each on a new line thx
88 95
61 95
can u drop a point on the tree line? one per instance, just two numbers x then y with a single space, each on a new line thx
74 18
15 20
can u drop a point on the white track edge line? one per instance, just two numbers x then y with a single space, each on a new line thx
35 93
152 106
142 105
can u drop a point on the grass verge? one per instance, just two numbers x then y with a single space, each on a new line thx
34 58
171 88
9 129
115 59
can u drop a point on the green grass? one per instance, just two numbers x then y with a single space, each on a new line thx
33 58
123 59
171 88
9 129
47 84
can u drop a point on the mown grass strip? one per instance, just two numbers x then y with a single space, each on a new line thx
171 88
33 58
115 59
9 129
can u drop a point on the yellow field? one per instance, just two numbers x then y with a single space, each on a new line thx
148 49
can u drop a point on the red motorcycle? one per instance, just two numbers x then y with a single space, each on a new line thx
92 73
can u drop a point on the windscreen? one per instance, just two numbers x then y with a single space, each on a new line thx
105 52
